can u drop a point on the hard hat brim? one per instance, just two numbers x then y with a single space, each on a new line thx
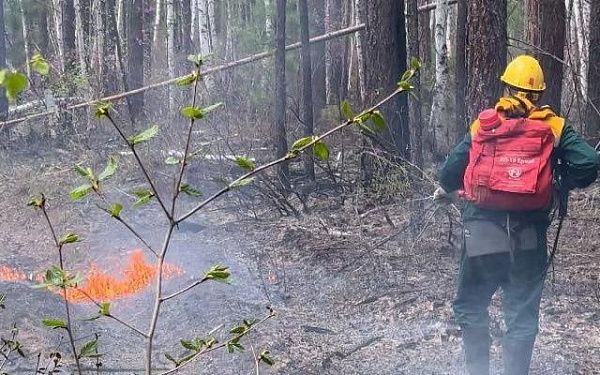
526 89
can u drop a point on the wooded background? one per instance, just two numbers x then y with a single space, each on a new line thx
102 47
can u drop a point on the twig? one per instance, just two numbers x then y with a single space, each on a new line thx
188 141
215 69
220 346
59 246
131 229
110 315
286 158
142 167
191 286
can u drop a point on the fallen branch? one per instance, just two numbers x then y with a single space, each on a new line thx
212 70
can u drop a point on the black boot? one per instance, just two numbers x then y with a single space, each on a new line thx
517 356
476 343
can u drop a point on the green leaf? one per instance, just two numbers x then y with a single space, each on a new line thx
245 163
378 121
347 110
415 63
302 143
39 64
143 196
218 273
406 86
54 323
407 75
192 192
115 210
103 109
265 356
69 238
193 113
238 330
171 160
321 151
111 168
144 136
14 83
37 202
80 192
89 350
104 309
197 60
241 183
83 172
187 80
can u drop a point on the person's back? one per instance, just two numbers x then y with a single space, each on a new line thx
506 225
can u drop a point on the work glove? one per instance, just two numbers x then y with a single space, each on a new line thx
441 197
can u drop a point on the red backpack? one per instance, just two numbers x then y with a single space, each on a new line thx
510 166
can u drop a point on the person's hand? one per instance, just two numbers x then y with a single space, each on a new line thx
441 197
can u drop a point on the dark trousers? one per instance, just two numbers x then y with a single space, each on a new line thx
521 279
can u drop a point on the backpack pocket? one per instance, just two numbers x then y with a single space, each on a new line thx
516 165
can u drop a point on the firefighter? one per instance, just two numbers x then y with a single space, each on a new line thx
504 246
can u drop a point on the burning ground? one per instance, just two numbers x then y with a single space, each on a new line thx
347 303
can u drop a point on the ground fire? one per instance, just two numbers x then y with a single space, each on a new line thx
100 285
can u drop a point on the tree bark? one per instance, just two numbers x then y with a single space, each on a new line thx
317 22
486 53
532 17
461 70
58 27
593 76
171 50
25 38
307 95
334 52
360 17
385 62
552 40
186 25
414 102
68 41
279 134
135 56
439 120
3 99
425 35
79 37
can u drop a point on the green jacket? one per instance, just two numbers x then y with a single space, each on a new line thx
580 160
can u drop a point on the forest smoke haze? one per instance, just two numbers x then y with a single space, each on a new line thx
276 160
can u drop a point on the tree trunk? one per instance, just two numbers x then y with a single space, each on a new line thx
533 24
25 38
334 52
110 52
425 35
307 98
385 62
58 27
360 17
79 36
552 40
3 99
68 42
486 53
439 120
171 50
414 102
461 70
186 26
317 27
135 56
44 33
156 24
592 115
279 134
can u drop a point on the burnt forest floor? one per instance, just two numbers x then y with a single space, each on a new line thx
356 288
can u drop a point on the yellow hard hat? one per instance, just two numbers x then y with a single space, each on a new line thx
524 73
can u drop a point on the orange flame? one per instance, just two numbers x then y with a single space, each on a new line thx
102 287
9 274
